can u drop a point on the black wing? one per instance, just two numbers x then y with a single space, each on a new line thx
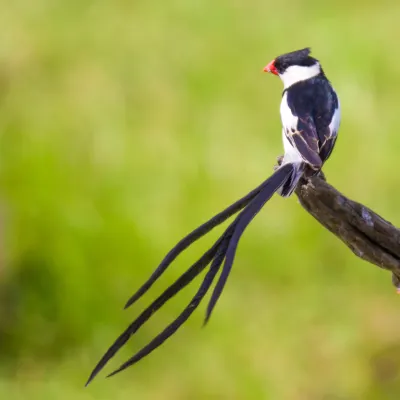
316 105
305 140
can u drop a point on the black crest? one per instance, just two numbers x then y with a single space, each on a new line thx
299 57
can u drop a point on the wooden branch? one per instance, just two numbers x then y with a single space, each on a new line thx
368 235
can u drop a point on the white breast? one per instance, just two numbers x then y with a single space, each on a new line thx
289 121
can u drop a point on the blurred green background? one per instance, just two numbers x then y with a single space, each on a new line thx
126 124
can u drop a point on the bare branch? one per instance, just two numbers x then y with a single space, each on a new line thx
368 235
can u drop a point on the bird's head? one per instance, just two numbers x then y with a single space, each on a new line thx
294 67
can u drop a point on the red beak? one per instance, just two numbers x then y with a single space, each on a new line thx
271 68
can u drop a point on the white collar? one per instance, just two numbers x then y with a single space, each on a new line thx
297 73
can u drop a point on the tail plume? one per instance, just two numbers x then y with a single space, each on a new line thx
222 252
290 185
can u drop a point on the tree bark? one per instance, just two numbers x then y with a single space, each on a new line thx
368 235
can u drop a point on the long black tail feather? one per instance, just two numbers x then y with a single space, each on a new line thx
291 183
191 238
276 181
177 286
186 313
223 249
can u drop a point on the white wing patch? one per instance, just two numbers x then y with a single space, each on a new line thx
335 123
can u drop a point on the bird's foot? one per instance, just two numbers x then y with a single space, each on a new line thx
279 159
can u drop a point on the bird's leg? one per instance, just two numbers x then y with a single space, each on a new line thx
279 159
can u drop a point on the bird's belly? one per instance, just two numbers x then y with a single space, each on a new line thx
289 121
291 154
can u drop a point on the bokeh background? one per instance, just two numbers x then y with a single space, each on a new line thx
126 124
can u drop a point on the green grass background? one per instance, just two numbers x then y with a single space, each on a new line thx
126 124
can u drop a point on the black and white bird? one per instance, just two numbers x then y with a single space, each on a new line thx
310 115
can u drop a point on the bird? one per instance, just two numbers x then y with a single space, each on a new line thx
310 117
310 114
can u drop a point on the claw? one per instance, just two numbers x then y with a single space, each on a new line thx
279 159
